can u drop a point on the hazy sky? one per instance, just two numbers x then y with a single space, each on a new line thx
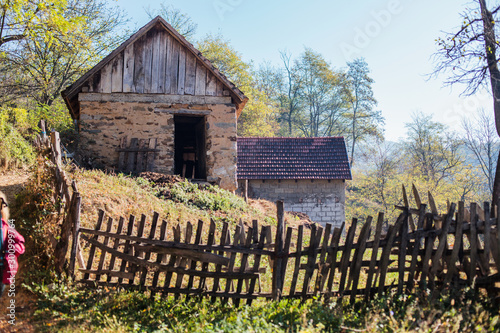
396 37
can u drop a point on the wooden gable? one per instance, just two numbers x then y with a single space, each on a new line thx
155 60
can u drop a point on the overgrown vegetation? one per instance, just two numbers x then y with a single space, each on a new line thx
68 309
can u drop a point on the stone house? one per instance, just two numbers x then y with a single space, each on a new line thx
157 104
307 173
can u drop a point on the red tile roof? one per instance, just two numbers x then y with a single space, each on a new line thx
293 158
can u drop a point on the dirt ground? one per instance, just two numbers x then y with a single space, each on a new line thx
11 183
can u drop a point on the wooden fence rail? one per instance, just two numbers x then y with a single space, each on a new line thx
456 249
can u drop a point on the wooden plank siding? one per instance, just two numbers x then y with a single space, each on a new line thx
156 63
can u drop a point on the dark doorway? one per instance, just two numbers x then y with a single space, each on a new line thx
190 153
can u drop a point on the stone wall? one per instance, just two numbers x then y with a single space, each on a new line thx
322 200
103 122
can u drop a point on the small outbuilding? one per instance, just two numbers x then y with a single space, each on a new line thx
309 174
157 104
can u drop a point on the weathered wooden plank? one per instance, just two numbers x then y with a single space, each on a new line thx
487 238
169 269
181 84
117 73
403 235
220 88
232 260
432 204
358 256
405 197
93 247
201 79
139 73
473 241
346 255
148 61
183 262
332 259
416 247
243 266
218 268
150 158
441 245
109 225
128 69
139 165
255 229
173 259
429 247
170 41
297 259
139 253
173 67
134 143
152 233
452 266
323 269
190 79
193 263
277 286
159 62
373 260
416 196
109 273
256 264
211 86
121 156
386 252
210 242
160 258
127 248
312 257
105 82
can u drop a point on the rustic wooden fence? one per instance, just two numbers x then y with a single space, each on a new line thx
422 249
65 193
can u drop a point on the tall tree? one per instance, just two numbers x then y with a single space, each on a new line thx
365 121
178 20
433 150
481 138
42 68
469 56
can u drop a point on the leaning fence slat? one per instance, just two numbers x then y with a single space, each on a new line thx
75 249
218 268
256 264
346 255
332 260
416 247
173 259
160 258
322 267
316 233
193 263
140 232
103 253
403 236
487 238
116 243
297 260
277 287
152 233
452 267
210 242
183 262
232 260
373 260
358 256
386 252
473 241
442 244
92 247
127 249
429 247
243 266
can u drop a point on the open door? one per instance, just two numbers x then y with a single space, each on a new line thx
190 143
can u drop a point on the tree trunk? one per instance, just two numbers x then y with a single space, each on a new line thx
490 47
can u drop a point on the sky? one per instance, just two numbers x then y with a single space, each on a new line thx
396 38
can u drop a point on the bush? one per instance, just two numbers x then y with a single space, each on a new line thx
15 150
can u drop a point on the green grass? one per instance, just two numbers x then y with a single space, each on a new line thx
63 308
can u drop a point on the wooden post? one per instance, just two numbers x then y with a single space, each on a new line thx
279 243
56 146
246 190
75 249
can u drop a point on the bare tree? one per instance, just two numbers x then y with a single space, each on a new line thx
469 56
481 138
177 19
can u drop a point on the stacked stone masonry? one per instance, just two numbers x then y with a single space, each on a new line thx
104 122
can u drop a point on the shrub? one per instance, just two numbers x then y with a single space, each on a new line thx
15 150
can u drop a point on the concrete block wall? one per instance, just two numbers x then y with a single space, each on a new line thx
322 200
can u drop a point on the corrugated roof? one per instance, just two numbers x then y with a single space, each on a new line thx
293 158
